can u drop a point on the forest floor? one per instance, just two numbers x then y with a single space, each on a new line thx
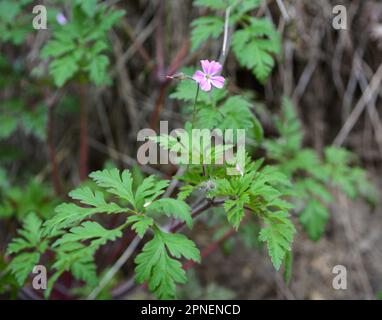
352 239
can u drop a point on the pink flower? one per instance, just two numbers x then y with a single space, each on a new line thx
208 77
61 19
239 170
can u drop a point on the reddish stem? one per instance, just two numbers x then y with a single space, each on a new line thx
159 43
127 287
52 153
210 249
83 135
158 106
177 62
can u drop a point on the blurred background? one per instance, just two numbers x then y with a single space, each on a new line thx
333 77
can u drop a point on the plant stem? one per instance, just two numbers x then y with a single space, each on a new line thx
52 151
52 154
211 248
194 109
129 285
83 135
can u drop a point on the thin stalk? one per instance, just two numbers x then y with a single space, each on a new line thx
83 135
194 109
52 153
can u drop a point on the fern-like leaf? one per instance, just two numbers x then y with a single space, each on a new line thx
155 265
278 234
255 45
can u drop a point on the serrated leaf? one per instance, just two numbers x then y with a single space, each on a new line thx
64 68
236 114
235 210
117 184
140 224
278 234
204 28
172 208
313 218
97 69
89 230
185 191
22 265
56 48
96 199
69 214
79 259
86 270
30 235
180 246
88 6
150 189
255 45
162 272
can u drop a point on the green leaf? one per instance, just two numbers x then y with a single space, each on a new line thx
117 184
313 218
110 19
86 270
88 6
255 45
185 191
69 214
235 210
23 264
79 259
96 199
186 91
150 189
278 234
30 235
4 183
140 224
89 230
204 28
98 68
236 114
62 69
155 265
77 47
258 130
51 282
56 48
8 124
9 10
180 246
172 208
31 238
288 263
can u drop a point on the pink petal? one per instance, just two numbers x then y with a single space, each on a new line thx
217 81
61 19
215 67
205 66
198 76
205 85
